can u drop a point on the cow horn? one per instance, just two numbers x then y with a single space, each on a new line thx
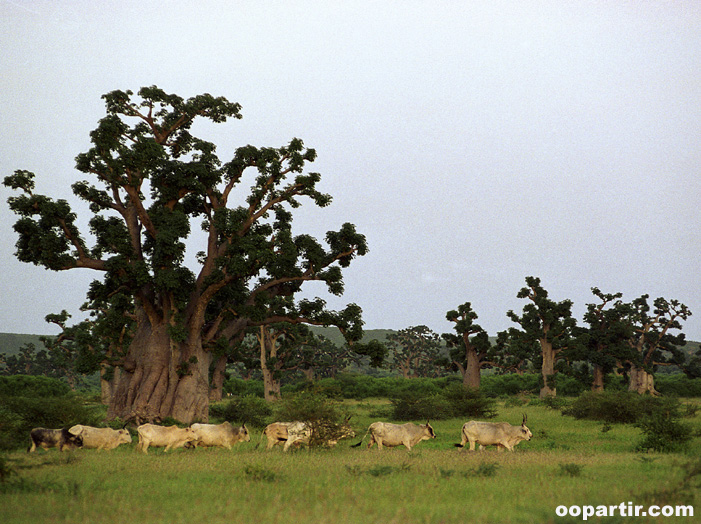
524 420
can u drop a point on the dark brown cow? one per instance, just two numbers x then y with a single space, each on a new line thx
54 438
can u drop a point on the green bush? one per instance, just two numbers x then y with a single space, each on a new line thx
32 386
663 432
248 409
414 406
625 407
241 388
307 406
453 401
325 420
509 384
468 402
19 415
679 385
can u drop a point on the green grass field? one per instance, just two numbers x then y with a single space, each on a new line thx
568 462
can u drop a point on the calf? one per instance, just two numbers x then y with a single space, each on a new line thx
54 438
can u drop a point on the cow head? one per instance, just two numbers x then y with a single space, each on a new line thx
71 440
430 430
123 436
243 431
526 433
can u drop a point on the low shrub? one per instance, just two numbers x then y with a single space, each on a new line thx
241 388
663 432
249 409
32 386
571 470
679 385
413 406
453 401
509 384
19 415
468 402
623 407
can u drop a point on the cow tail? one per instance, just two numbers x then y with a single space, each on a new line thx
361 440
261 438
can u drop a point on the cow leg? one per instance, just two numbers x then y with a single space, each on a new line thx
372 441
472 445
33 447
379 444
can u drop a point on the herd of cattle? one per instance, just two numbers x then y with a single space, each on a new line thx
500 434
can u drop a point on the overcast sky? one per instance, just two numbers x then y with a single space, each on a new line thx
473 143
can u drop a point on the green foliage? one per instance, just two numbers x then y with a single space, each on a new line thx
240 387
307 406
486 469
248 409
620 406
571 470
19 415
258 473
6 469
509 384
663 432
678 385
322 415
453 401
32 386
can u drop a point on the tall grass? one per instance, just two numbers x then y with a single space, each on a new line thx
434 483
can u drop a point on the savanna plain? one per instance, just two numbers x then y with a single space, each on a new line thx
568 462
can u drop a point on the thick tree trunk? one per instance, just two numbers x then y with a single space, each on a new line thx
471 378
218 375
597 384
271 386
162 378
548 370
108 385
268 348
641 381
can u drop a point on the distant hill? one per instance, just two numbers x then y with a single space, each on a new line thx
334 335
10 343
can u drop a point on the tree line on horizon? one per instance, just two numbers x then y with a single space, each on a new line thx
630 339
163 336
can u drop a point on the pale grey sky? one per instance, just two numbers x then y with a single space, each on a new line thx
474 143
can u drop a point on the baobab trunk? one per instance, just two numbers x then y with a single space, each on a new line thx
162 378
471 378
641 381
268 349
271 386
218 375
109 378
597 384
548 370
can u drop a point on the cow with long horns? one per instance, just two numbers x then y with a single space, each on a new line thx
500 434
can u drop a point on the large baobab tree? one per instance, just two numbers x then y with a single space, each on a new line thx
151 181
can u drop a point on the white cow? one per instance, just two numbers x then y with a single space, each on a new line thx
101 438
223 435
390 435
160 436
500 434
